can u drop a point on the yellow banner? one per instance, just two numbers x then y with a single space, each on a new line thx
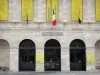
90 59
97 10
3 9
76 10
55 7
27 9
48 12
40 58
52 4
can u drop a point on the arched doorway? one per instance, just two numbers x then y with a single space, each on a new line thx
4 53
52 55
27 55
97 55
77 55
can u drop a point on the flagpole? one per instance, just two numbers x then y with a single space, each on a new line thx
51 11
52 14
78 16
27 18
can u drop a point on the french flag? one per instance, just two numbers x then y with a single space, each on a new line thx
53 18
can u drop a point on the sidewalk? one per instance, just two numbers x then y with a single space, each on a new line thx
50 73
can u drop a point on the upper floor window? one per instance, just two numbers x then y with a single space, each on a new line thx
76 10
3 9
27 9
97 10
51 5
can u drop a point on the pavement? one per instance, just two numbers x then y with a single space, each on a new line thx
50 73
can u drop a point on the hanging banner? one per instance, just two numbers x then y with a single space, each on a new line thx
49 10
90 59
3 9
97 10
27 9
40 58
51 4
76 10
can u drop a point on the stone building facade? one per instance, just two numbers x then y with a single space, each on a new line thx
13 31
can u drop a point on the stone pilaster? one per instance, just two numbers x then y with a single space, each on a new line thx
39 59
90 66
89 10
14 60
65 60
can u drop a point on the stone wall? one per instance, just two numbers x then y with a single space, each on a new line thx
14 31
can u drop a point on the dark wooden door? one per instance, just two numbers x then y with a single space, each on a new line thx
77 60
52 57
77 56
27 56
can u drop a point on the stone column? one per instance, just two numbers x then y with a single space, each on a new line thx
39 10
17 10
64 11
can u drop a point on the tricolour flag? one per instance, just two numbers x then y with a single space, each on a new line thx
53 18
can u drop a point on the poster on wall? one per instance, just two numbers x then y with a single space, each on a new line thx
90 59
3 9
27 9
39 58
